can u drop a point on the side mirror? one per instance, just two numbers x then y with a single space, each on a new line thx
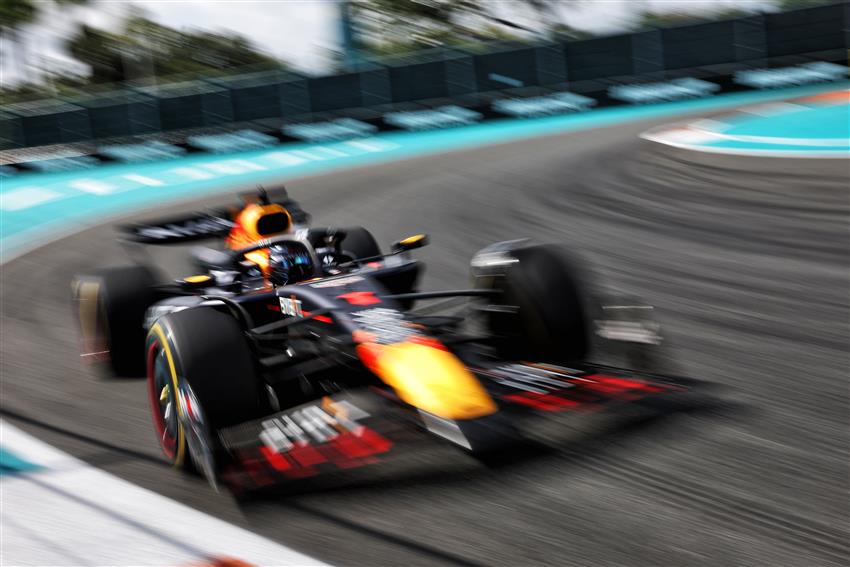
410 243
195 282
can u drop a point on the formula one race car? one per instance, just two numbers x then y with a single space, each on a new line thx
297 351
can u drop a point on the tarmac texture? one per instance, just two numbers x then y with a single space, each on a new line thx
746 261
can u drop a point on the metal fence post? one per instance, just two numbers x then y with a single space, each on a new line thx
375 86
847 30
648 53
294 97
460 75
751 40
551 68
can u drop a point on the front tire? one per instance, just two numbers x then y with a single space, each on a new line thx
540 311
201 378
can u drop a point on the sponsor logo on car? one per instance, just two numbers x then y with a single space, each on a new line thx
186 229
385 325
291 307
337 282
313 424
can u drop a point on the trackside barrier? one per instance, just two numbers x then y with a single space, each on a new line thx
238 141
442 117
270 99
543 105
660 92
810 73
120 112
444 76
44 122
62 164
138 153
340 129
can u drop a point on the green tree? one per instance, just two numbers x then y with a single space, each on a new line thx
569 33
104 52
398 26
796 4
391 27
652 19
146 49
15 15
401 25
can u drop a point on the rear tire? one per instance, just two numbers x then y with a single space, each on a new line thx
110 305
359 243
545 316
200 362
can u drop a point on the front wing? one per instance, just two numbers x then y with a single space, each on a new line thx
366 426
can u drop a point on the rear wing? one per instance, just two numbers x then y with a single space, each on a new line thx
186 228
211 224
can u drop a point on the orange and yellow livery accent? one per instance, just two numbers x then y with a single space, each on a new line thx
255 222
428 377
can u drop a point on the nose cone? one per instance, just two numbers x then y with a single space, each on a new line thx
429 378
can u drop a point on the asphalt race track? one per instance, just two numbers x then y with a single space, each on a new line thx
747 262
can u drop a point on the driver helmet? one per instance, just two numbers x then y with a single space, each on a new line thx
279 265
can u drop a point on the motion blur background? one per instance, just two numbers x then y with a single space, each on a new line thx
694 152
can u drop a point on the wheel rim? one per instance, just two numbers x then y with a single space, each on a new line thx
198 439
163 400
92 322
177 414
